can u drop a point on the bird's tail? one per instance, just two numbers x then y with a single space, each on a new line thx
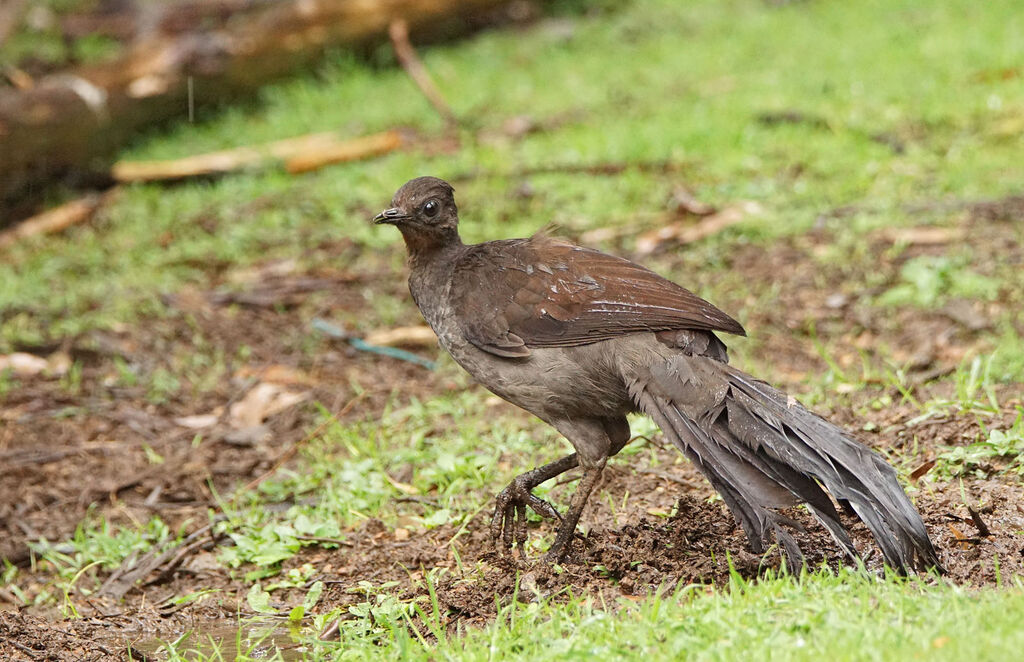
762 450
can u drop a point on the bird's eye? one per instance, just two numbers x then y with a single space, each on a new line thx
431 208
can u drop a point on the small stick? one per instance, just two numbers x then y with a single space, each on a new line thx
410 61
54 220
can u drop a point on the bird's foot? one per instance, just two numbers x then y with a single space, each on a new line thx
509 521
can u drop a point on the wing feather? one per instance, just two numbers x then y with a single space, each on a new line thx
541 292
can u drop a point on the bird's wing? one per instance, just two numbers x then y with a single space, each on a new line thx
512 295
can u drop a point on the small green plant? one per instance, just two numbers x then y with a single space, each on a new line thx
926 280
104 545
163 384
975 392
998 451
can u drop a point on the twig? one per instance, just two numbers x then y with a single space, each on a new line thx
54 220
183 552
406 54
331 632
983 529
426 501
131 571
27 651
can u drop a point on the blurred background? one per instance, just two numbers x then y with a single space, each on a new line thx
213 380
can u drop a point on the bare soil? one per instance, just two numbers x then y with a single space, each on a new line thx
73 447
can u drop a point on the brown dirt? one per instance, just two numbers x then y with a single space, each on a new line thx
69 449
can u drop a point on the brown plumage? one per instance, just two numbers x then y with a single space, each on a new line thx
580 338
543 292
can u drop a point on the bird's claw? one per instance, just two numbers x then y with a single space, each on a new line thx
508 524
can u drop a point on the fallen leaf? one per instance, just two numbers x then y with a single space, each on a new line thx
962 541
406 336
916 474
264 400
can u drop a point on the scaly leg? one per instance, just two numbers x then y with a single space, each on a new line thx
567 528
510 504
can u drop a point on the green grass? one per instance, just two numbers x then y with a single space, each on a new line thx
816 616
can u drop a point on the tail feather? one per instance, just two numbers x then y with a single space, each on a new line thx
761 451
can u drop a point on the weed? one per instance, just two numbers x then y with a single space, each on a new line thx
998 450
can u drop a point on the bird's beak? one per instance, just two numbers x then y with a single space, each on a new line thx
392 216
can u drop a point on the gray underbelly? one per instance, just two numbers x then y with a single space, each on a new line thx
552 383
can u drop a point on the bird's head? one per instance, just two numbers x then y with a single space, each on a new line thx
425 212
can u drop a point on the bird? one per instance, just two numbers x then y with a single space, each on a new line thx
580 339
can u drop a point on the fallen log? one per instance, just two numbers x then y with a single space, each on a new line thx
74 122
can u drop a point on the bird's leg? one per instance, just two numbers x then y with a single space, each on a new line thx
510 504
579 499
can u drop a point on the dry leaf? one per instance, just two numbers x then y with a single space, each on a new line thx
262 401
919 472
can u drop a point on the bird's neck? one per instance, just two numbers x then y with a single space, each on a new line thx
426 248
